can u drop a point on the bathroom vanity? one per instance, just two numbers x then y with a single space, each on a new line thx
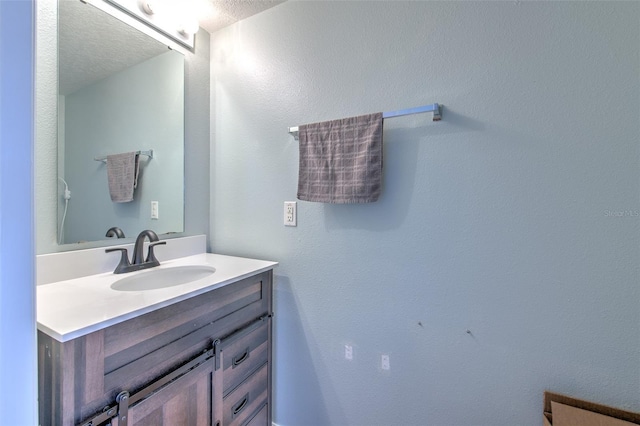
198 353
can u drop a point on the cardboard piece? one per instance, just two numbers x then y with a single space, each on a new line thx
565 415
547 419
606 412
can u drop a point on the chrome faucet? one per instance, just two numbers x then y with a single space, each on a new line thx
137 260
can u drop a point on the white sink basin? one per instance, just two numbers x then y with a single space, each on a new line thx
163 278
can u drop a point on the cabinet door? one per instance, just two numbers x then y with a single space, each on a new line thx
187 401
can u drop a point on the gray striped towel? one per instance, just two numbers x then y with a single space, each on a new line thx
341 160
122 175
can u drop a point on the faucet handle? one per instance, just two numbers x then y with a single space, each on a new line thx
151 257
124 259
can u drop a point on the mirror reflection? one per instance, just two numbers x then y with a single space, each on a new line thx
120 91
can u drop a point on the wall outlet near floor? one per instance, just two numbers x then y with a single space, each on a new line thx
290 214
385 364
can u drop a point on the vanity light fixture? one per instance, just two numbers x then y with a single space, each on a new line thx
167 18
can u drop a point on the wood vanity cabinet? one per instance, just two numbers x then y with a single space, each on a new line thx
205 360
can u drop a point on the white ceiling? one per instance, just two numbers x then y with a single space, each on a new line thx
216 14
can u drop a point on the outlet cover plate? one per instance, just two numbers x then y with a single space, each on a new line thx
290 213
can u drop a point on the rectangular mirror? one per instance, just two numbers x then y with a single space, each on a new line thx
119 91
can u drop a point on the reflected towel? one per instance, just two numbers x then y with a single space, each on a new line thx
122 174
341 160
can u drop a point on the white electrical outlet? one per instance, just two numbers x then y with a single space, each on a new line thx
290 214
348 352
385 364
154 210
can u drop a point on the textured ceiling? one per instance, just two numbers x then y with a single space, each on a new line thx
94 45
217 14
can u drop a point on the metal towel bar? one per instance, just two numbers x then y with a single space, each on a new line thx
148 153
436 109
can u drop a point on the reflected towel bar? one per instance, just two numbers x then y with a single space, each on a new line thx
148 153
436 109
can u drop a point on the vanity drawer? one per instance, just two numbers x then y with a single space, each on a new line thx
247 399
261 418
244 353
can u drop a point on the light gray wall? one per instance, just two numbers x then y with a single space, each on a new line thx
516 217
18 351
197 135
107 118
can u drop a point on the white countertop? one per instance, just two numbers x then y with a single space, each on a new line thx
73 308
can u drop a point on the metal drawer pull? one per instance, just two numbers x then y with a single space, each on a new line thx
239 359
236 409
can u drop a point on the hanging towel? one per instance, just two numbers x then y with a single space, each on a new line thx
341 160
122 174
